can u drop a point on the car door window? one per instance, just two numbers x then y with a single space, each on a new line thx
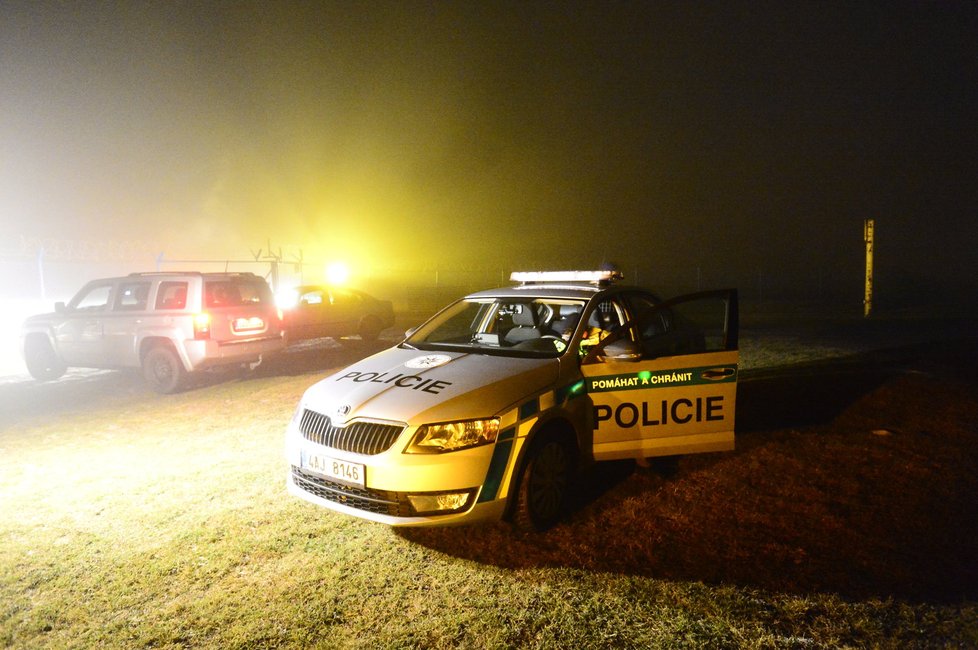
607 321
692 325
132 296
652 322
96 298
311 298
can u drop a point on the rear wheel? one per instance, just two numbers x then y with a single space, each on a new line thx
163 370
370 329
42 361
541 498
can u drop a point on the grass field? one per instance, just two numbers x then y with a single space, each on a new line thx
846 517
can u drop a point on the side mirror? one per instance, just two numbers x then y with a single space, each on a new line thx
59 307
408 333
623 350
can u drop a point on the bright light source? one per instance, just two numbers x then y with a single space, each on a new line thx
287 298
337 273
565 276
202 326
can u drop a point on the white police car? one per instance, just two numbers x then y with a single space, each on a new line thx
490 408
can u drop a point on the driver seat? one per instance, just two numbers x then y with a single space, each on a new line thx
526 326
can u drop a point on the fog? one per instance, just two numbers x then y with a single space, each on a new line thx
729 144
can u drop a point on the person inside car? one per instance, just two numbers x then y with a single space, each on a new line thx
602 322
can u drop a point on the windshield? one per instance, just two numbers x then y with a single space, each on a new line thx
526 327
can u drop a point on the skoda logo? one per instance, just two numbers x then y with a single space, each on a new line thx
343 410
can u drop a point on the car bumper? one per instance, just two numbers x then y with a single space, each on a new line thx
208 354
377 506
396 485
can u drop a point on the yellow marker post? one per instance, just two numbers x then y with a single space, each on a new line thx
868 226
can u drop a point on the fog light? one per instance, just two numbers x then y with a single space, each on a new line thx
439 503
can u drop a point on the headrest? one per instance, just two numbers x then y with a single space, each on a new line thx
525 317
601 319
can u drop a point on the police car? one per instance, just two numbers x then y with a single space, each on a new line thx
490 408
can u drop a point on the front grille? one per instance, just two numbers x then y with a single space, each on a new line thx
367 438
380 502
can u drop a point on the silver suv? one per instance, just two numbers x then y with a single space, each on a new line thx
167 324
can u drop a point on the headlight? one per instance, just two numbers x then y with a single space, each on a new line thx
452 436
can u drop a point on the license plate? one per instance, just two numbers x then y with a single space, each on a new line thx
340 470
252 324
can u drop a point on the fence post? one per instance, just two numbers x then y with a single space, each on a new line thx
274 264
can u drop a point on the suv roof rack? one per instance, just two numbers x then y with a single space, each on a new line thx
141 273
200 273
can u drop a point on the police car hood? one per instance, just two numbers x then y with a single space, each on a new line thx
416 387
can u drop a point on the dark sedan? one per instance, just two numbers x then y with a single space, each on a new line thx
311 311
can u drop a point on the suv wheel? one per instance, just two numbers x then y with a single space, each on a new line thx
544 484
41 360
163 370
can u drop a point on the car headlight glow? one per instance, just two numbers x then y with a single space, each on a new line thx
452 436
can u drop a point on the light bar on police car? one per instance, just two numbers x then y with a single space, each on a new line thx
565 276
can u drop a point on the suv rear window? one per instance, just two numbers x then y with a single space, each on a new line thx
235 292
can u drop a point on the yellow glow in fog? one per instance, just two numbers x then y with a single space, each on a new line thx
337 273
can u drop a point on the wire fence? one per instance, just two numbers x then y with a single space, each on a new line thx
54 269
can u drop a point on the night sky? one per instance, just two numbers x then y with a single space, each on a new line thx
744 140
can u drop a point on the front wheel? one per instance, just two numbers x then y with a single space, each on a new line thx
42 361
163 370
544 485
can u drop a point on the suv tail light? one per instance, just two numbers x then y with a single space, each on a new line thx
202 325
